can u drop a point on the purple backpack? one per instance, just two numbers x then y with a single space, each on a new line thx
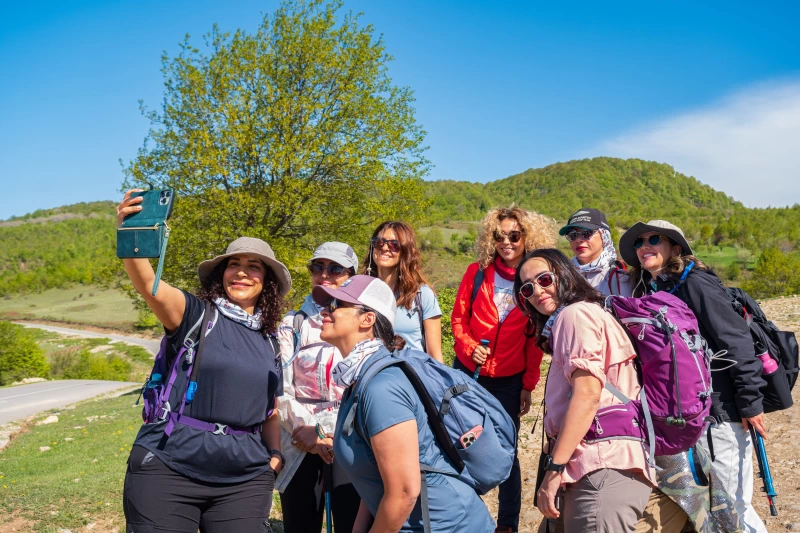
676 379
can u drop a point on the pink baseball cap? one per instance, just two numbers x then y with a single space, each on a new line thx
361 290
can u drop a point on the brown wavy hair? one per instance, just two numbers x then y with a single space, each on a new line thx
571 287
673 268
270 302
411 278
539 231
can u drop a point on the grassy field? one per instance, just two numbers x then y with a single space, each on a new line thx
78 305
77 482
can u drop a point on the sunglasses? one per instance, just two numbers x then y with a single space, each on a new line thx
392 244
652 240
584 234
544 280
513 236
332 269
334 304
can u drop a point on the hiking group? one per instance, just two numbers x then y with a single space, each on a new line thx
345 407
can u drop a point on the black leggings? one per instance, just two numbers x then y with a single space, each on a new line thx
303 500
156 498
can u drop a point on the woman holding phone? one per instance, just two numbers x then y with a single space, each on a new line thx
215 468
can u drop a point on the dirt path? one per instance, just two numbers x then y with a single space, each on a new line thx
783 448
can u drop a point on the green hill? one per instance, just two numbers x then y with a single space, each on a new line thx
56 248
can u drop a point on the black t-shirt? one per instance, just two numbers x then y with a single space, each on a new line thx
237 383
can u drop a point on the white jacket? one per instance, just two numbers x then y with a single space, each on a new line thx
310 397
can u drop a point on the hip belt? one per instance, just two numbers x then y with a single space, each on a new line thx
212 427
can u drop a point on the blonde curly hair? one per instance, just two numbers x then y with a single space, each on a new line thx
540 231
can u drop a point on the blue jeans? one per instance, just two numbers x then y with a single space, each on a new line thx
507 390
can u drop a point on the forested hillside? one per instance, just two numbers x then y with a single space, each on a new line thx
55 248
627 191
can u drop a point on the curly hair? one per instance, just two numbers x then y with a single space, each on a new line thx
270 302
411 278
539 231
673 268
571 287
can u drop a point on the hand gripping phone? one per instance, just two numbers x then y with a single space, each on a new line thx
145 233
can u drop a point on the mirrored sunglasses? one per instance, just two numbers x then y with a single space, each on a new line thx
584 234
652 240
544 280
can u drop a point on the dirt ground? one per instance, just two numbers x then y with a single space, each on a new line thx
783 448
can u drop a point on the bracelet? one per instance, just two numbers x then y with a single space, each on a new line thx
278 454
321 434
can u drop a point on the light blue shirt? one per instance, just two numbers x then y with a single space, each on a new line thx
388 400
406 321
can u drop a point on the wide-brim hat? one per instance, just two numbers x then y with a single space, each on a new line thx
361 290
662 227
250 246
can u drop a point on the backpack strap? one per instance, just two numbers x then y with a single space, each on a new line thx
297 324
191 387
418 308
476 284
683 277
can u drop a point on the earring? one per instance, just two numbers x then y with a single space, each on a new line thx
369 266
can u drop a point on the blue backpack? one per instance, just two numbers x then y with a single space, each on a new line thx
455 405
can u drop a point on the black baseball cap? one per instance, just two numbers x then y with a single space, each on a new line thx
585 218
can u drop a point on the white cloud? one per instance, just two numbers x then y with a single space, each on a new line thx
747 145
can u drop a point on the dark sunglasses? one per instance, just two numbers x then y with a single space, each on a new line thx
334 304
584 234
652 240
513 236
333 269
544 280
379 242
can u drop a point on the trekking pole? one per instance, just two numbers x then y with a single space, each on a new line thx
485 344
327 481
764 473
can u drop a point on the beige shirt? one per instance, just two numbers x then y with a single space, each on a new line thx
586 337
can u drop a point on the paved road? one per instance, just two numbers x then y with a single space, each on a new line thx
150 345
25 400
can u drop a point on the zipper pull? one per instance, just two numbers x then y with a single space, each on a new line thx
641 333
599 429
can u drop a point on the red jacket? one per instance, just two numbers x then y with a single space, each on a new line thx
512 351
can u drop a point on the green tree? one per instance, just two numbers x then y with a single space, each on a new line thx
776 274
447 299
294 134
20 355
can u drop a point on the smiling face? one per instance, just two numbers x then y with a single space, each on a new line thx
653 258
345 326
510 252
544 301
383 256
326 278
243 280
585 250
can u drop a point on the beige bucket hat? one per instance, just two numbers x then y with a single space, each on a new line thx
251 246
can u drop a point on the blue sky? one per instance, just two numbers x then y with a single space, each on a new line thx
711 88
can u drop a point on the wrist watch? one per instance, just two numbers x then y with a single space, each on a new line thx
550 465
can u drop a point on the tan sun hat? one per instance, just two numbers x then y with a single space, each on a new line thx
250 246
662 227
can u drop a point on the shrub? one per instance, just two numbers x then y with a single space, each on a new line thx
447 298
20 354
776 274
145 319
81 364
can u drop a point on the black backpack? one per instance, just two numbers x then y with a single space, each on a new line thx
782 346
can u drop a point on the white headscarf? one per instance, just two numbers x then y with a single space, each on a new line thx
607 257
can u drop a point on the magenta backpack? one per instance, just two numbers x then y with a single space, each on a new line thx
676 379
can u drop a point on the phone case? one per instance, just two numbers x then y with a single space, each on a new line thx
145 234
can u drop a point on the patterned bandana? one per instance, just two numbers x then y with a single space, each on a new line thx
347 371
548 326
237 314
607 257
